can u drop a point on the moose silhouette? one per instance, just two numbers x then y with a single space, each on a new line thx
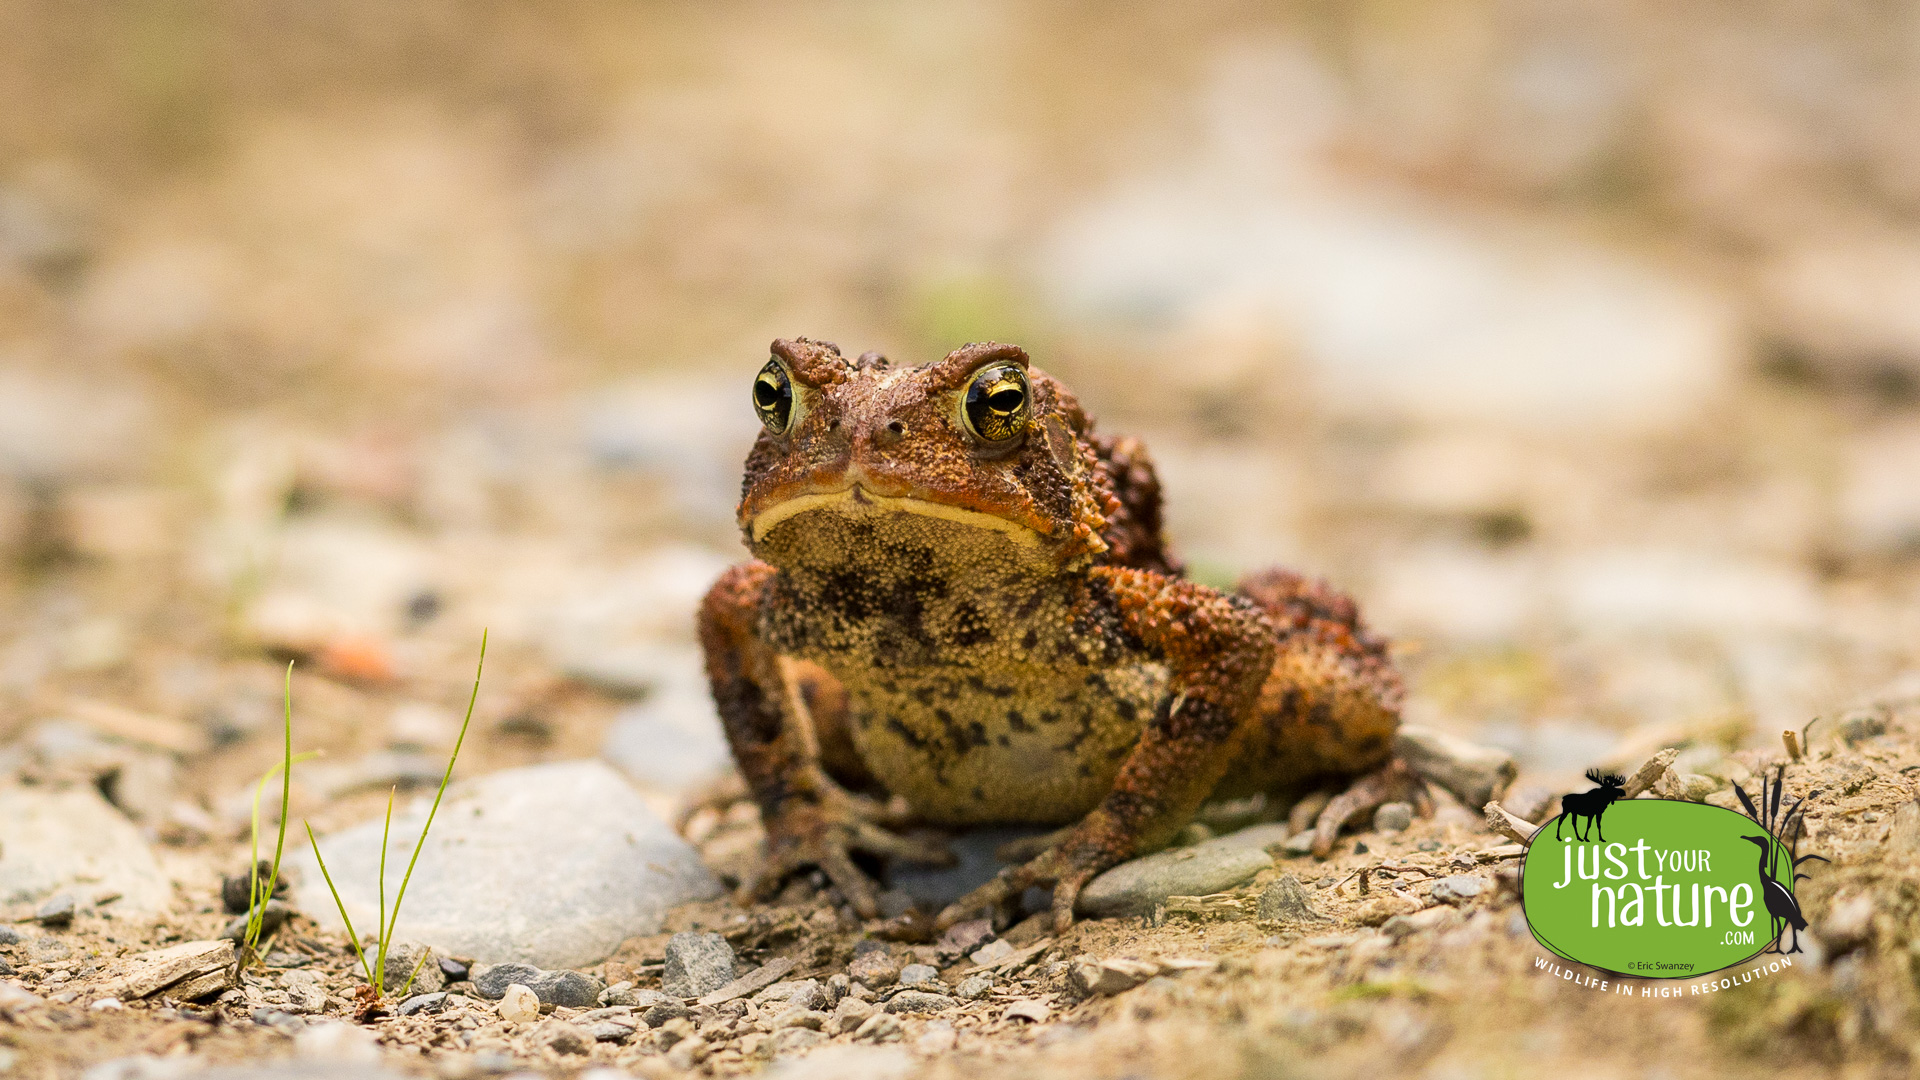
1591 804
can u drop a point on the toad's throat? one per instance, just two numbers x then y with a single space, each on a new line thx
857 499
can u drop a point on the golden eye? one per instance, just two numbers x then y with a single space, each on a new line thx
773 397
998 404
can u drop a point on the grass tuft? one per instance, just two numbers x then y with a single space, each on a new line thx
376 970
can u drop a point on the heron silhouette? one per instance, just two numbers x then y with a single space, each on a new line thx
1781 905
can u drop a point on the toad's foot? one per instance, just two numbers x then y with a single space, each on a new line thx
1394 781
1067 866
824 830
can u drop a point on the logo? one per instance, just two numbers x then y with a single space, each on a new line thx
1663 889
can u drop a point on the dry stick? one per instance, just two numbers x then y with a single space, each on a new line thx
1502 821
1792 739
1650 772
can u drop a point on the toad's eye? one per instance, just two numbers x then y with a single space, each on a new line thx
998 404
773 397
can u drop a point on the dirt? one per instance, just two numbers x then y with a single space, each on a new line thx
1461 991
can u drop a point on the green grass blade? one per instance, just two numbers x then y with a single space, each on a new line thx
386 929
257 907
417 965
445 778
353 938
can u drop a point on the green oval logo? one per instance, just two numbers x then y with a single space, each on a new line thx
1659 889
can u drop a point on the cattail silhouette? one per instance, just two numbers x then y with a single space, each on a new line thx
1591 804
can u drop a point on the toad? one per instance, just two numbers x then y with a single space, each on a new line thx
961 612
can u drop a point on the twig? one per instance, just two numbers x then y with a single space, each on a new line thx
1502 821
1655 766
1792 739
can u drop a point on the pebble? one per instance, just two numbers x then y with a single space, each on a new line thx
492 885
697 964
1285 900
335 1040
407 960
975 987
454 970
6 968
423 1003
610 1031
992 952
1458 888
1029 1009
1393 817
572 989
795 1040
519 1005
919 1001
1857 727
963 938
665 1012
804 994
915 974
562 1037
880 1027
849 1014
72 840
874 969
1139 886
9 936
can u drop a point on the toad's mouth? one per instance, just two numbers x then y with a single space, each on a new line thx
857 499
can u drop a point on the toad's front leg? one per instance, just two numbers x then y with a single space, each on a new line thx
1218 649
809 819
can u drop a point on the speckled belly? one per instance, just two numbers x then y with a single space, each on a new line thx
1032 744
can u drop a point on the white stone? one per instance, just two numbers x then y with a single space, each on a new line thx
334 1040
520 1005
551 865
73 840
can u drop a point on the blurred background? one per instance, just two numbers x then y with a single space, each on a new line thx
1580 340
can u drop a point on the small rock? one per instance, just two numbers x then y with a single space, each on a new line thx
665 1013
803 994
1475 774
1285 900
562 1037
16 999
1029 1009
107 1004
454 970
795 1039
696 964
849 1014
1139 886
975 987
993 952
874 969
689 1052
1859 726
610 1031
1114 975
1381 908
57 912
1393 817
279 1020
492 884
236 889
963 938
1300 843
806 1018
47 950
1458 889
9 936
490 981
572 989
519 1005
423 1003
915 974
1904 837
919 1001
880 1027
6 968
